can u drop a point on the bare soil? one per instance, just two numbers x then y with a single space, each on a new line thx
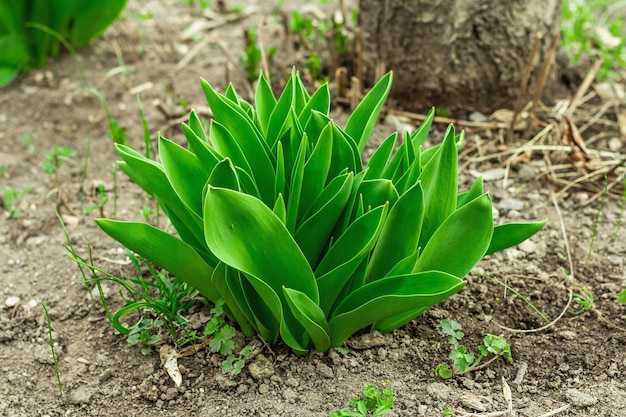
575 367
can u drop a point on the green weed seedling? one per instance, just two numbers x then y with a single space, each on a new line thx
55 159
621 297
372 403
146 334
54 356
11 197
463 360
585 301
253 55
221 334
28 140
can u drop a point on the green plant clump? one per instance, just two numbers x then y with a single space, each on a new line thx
374 403
28 29
595 28
278 218
464 360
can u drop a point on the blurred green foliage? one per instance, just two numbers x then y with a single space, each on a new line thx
33 30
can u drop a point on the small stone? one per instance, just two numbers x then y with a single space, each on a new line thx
170 394
477 117
324 370
615 144
526 172
35 240
527 246
367 341
421 409
580 398
261 367
439 391
473 402
511 204
567 335
106 375
81 395
292 382
11 301
289 394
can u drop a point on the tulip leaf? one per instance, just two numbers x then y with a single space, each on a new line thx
184 172
389 297
345 255
265 102
439 182
400 234
311 316
361 122
245 234
165 250
461 240
511 234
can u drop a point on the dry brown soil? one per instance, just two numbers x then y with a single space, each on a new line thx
576 367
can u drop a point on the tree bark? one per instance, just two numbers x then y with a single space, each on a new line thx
467 54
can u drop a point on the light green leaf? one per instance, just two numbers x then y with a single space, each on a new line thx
184 172
248 138
361 122
380 158
439 182
421 134
316 170
400 234
296 187
219 281
395 322
197 127
461 240
389 297
207 156
245 234
511 234
475 191
265 102
320 101
343 258
224 175
312 236
165 250
310 316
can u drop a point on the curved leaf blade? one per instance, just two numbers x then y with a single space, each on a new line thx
165 250
461 240
390 297
511 234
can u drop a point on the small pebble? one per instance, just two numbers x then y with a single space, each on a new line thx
11 301
580 398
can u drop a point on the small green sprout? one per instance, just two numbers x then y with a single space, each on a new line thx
11 197
374 402
464 360
585 300
222 342
55 159
27 140
146 334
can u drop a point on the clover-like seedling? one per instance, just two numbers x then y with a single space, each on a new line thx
373 402
464 360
